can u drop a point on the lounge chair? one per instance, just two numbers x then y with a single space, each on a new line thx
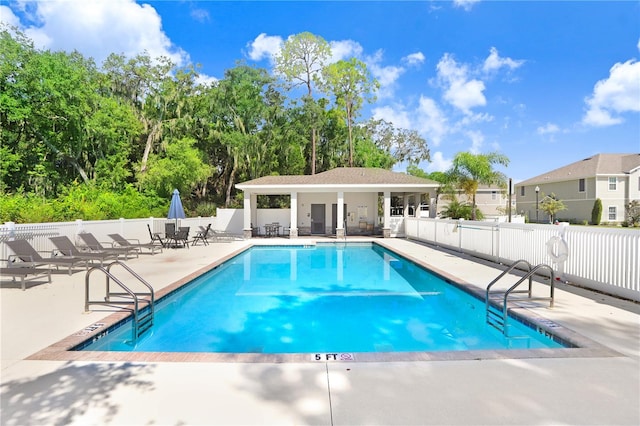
96 246
155 237
180 238
67 248
223 235
23 273
202 235
25 253
134 243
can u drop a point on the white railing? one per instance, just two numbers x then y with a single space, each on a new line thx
603 259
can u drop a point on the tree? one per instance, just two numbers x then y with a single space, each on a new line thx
551 205
400 144
596 212
242 105
632 213
141 83
301 58
468 171
351 84
181 167
458 210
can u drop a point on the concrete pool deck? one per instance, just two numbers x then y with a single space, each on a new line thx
577 390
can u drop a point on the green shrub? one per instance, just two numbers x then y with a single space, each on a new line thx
596 212
82 202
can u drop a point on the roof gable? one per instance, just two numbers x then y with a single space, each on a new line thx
599 164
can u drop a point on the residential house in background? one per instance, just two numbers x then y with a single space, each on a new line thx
491 200
613 178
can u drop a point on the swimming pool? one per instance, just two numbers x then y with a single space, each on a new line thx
342 298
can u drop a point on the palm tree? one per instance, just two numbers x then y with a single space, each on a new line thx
469 171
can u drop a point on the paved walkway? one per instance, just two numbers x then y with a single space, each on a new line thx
567 390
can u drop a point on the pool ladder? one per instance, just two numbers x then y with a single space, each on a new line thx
497 315
141 304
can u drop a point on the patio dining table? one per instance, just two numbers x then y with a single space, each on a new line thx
272 230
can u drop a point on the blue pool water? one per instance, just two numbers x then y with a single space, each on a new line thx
324 298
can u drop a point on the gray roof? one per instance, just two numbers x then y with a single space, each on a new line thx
599 164
343 176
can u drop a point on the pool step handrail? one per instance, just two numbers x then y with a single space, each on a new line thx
496 315
141 304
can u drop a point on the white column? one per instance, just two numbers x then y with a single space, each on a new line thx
386 227
405 200
340 216
254 209
293 231
416 201
247 215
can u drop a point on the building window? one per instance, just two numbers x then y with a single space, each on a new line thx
494 195
613 183
581 185
522 191
612 213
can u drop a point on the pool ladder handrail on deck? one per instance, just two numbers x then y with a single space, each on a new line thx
498 318
142 315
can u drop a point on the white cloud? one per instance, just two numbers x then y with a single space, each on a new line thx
206 80
386 76
465 4
414 59
431 122
494 62
396 115
548 128
344 49
200 15
438 163
460 91
477 140
426 119
98 28
264 47
8 17
618 94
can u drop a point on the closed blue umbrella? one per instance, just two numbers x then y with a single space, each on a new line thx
175 209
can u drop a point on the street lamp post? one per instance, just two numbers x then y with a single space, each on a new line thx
537 191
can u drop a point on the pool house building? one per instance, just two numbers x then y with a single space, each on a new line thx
342 201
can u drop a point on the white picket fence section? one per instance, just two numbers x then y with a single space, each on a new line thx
603 259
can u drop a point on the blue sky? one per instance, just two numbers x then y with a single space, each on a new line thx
546 83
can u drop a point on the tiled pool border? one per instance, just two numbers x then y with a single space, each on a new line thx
579 346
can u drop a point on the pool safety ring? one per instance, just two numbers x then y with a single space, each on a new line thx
557 249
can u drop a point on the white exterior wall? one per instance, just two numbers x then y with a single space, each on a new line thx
580 204
485 201
612 198
634 185
357 204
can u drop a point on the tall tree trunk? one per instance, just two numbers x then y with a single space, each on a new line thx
73 161
473 207
313 150
350 136
232 177
151 138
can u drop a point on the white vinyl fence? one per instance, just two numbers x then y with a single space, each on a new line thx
603 259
